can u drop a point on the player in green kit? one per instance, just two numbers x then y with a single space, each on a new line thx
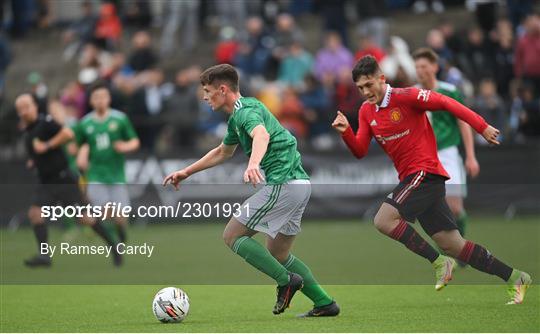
109 135
276 208
449 132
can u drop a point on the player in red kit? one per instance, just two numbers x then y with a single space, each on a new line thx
396 118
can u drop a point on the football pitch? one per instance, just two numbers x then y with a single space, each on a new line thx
380 286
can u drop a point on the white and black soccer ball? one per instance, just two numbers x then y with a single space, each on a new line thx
171 305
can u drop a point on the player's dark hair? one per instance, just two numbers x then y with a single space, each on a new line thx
367 66
97 86
221 74
426 53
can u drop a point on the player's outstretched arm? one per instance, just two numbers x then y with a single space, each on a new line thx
261 138
471 164
358 144
61 137
211 159
424 99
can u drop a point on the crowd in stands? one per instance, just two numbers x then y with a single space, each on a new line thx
495 63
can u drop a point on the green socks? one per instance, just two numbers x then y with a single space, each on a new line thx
259 257
461 223
311 288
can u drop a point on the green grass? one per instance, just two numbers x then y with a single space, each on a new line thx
248 309
380 286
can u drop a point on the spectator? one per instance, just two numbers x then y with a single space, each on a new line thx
316 103
476 62
452 39
490 105
142 57
254 51
486 12
73 98
332 59
334 18
138 14
21 12
435 40
503 57
146 105
94 58
285 34
530 118
181 111
398 65
373 22
518 10
295 65
80 32
108 27
366 46
227 47
524 114
346 97
526 61
180 13
291 114
232 13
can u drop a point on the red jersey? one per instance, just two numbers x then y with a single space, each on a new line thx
401 127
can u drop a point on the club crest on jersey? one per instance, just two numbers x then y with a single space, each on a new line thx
395 115
113 126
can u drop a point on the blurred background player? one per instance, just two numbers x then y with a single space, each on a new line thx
58 185
109 135
449 131
275 209
396 118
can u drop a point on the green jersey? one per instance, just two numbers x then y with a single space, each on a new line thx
282 161
445 125
105 164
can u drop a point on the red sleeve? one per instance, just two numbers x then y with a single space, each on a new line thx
358 144
424 99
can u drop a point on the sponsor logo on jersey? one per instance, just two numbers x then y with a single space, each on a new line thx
89 129
373 123
383 139
395 115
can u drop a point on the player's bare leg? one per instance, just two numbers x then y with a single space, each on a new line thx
389 222
481 259
324 305
234 230
238 238
41 233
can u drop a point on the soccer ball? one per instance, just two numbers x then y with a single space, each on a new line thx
171 305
